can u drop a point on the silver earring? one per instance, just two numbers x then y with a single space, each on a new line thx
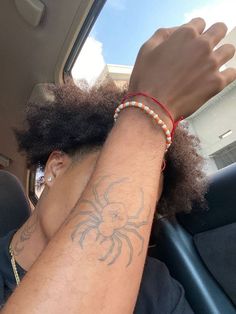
49 179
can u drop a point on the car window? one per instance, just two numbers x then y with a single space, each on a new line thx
113 43
36 184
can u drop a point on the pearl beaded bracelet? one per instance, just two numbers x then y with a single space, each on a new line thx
151 113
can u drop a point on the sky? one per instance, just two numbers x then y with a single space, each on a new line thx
124 25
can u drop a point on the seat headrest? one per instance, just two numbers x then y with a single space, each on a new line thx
14 206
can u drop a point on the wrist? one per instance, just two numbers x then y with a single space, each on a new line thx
148 102
140 114
135 123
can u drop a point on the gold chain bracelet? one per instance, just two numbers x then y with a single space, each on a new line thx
13 264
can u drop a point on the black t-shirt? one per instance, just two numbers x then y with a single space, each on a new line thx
159 292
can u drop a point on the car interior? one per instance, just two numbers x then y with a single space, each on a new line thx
40 42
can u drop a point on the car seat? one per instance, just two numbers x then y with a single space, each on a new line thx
14 206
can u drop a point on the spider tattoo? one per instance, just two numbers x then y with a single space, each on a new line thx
111 223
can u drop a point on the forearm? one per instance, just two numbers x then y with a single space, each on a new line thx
51 211
93 260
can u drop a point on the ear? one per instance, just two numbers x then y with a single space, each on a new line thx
57 163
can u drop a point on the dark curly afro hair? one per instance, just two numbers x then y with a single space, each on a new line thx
79 120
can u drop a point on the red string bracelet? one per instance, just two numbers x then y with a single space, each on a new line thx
164 108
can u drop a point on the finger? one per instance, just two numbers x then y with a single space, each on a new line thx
215 33
224 54
161 35
228 75
198 24
164 32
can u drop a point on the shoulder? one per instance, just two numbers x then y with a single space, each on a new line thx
5 259
5 266
7 279
159 292
1 292
4 250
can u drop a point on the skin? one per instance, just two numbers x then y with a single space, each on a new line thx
124 184
70 176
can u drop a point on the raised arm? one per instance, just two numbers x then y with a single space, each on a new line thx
94 263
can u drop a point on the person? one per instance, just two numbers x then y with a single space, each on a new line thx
73 128
87 241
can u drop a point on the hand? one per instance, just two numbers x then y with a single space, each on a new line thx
179 67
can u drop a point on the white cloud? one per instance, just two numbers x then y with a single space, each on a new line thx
90 61
216 11
117 4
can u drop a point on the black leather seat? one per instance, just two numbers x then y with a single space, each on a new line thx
14 206
199 248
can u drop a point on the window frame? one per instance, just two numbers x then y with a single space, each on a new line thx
31 186
89 22
91 18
